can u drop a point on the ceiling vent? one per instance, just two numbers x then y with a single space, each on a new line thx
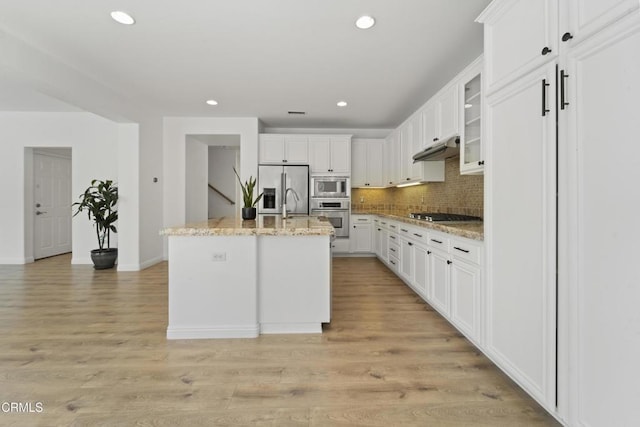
299 113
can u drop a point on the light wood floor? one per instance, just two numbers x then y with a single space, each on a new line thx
90 345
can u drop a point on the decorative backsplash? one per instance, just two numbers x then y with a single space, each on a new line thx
461 194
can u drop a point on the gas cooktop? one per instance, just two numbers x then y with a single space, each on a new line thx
443 217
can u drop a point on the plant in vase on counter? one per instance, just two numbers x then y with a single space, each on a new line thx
249 203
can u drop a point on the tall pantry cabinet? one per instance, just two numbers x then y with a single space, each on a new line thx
562 117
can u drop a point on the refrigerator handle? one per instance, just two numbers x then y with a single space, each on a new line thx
283 188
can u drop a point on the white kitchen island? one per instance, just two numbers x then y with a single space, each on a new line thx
230 278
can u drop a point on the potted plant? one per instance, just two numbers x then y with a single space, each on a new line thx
99 201
249 204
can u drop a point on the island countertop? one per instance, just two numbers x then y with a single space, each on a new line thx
263 225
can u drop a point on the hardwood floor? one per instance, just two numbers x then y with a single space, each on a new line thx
90 345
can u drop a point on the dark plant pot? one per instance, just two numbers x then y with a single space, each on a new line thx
248 213
104 258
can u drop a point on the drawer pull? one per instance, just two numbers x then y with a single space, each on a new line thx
410 244
417 235
402 229
437 241
428 252
379 229
391 261
392 250
363 219
449 262
392 226
461 250
392 237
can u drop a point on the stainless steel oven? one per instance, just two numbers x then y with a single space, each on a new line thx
336 211
330 187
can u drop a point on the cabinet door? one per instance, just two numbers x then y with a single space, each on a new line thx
465 291
320 154
359 164
406 266
384 245
374 164
448 106
361 238
416 146
393 158
515 34
439 281
340 155
406 145
297 149
471 154
430 124
586 17
272 149
421 269
521 143
604 291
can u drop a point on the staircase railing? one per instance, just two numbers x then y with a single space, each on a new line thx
221 194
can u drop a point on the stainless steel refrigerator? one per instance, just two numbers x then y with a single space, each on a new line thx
278 183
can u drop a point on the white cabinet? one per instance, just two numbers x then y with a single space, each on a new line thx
361 236
439 294
421 269
440 116
330 154
601 267
519 36
466 282
471 102
583 18
278 149
407 257
367 163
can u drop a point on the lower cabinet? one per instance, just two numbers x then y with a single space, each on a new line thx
361 234
445 270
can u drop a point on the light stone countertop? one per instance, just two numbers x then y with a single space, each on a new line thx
263 225
468 229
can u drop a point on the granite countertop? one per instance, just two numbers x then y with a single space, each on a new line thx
469 229
263 225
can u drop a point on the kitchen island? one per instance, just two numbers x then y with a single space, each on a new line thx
230 278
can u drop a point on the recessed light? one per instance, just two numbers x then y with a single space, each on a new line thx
212 102
122 17
342 103
365 22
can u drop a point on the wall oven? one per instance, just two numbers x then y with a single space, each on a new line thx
336 211
330 187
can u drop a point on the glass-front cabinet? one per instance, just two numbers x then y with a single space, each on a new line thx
471 154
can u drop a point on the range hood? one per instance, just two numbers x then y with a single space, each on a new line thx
440 150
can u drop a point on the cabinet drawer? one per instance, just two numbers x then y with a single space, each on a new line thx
464 250
420 235
439 241
394 249
393 239
360 219
393 226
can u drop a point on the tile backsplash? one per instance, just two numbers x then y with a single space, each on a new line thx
461 194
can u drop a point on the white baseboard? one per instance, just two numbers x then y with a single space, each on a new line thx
291 328
9 260
353 254
153 261
244 331
81 260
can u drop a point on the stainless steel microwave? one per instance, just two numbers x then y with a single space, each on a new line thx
330 187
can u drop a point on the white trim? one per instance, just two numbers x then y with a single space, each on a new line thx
230 331
141 266
291 328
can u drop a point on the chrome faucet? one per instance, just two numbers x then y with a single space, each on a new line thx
284 202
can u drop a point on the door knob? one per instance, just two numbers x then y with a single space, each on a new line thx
566 37
40 212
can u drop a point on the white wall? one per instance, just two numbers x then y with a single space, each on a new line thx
97 144
197 171
221 176
175 131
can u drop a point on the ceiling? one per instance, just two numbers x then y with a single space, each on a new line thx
257 58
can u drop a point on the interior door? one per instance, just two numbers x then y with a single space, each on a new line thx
52 210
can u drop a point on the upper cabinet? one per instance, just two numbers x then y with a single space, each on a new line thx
471 107
278 149
582 18
367 163
440 117
519 36
330 154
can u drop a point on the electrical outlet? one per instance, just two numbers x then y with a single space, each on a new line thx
361 199
219 257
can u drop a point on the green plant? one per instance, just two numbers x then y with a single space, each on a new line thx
99 201
247 191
